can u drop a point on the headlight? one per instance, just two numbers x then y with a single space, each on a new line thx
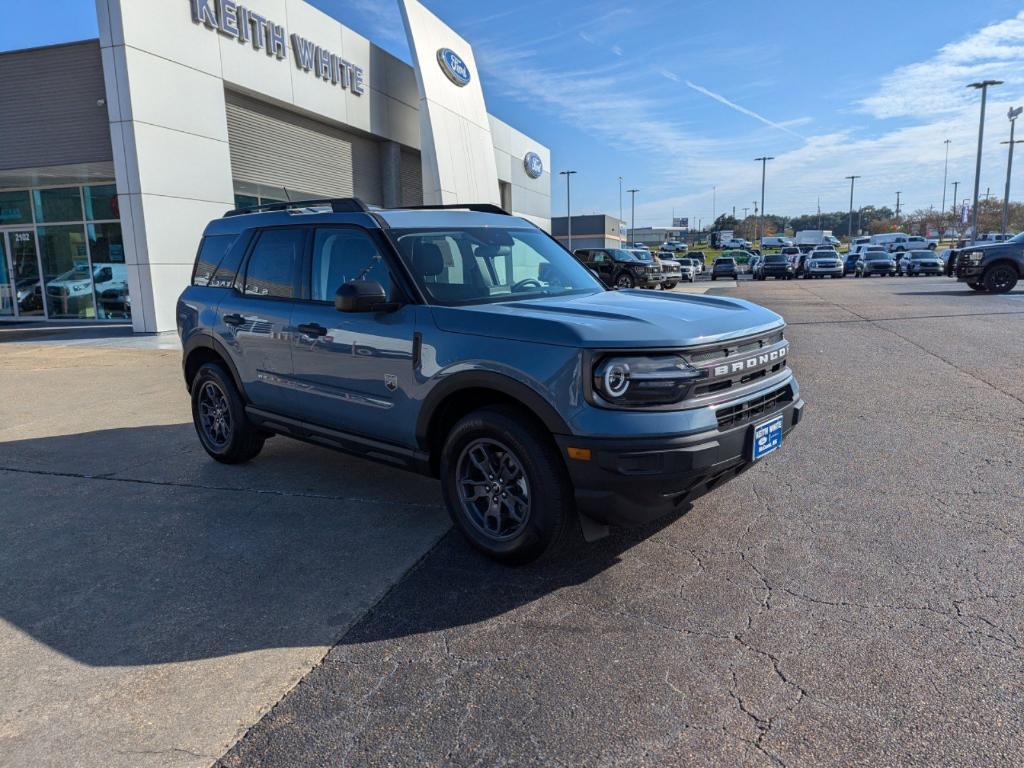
974 256
644 380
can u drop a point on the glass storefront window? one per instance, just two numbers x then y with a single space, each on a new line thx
110 276
101 203
15 208
68 280
63 204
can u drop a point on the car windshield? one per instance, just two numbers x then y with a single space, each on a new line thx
922 255
1018 238
725 260
642 255
620 255
487 264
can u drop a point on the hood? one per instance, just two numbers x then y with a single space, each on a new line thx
628 319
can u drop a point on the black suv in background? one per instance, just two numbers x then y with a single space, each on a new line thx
619 268
775 265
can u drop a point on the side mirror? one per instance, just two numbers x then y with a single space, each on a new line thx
363 296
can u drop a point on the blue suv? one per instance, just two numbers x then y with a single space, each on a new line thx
467 344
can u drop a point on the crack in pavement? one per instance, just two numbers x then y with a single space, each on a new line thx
231 489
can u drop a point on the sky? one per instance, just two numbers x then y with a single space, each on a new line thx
679 96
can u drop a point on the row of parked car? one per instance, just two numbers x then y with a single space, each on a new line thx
641 268
865 261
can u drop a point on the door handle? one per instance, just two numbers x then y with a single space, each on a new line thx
312 329
234 319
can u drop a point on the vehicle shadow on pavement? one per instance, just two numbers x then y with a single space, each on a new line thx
132 547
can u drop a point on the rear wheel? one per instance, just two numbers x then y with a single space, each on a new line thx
1000 278
506 486
976 286
219 417
669 285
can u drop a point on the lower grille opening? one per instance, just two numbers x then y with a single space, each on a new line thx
745 412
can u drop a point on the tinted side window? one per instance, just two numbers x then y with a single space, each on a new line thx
275 264
226 273
211 252
343 255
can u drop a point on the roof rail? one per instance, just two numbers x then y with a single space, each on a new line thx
477 207
338 205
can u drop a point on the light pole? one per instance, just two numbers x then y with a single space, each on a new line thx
632 215
620 205
849 227
1013 114
568 204
898 207
982 86
764 164
714 202
956 185
945 175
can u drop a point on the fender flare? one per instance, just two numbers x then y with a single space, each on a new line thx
206 341
498 382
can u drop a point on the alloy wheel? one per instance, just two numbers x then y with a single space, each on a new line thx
214 414
493 489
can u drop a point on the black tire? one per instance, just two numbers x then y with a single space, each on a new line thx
669 285
625 280
218 415
713 277
976 286
550 523
1000 278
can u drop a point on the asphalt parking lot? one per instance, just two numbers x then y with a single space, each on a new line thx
855 599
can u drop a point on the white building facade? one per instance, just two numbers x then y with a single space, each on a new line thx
212 104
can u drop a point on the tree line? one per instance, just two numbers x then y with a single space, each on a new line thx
870 220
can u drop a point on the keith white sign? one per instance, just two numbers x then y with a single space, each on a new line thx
249 28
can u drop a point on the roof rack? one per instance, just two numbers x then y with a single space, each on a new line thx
477 207
337 204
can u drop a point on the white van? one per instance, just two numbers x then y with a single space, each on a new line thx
776 242
893 242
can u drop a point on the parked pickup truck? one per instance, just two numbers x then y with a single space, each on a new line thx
468 345
991 268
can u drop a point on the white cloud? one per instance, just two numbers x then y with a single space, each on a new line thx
937 86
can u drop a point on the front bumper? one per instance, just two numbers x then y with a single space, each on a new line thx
634 481
825 271
776 272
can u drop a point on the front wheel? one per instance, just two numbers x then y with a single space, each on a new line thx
668 286
506 486
976 286
625 280
219 417
999 278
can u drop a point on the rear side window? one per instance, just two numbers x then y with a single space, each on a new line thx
275 264
211 253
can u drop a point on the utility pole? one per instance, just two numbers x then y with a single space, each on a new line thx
632 220
568 205
714 203
1013 114
849 227
760 226
819 211
898 207
744 214
982 86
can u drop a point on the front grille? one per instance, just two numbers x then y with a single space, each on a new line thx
750 410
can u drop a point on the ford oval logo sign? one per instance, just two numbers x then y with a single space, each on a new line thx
453 66
534 165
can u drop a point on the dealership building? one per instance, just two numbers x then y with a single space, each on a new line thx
117 152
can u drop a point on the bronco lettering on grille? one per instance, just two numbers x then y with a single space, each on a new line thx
751 362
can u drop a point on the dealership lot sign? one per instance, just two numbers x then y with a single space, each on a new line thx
250 28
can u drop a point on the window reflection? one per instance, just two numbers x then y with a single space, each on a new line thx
68 278
110 276
15 208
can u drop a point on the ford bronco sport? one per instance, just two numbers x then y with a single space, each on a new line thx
467 344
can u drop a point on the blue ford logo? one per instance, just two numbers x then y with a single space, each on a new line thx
534 165
453 66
